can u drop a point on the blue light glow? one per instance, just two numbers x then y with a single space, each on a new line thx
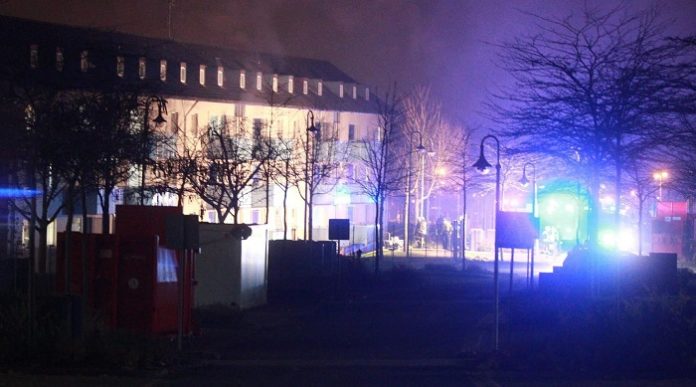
18 192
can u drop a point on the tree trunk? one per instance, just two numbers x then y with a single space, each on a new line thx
463 225
377 255
67 265
593 214
106 216
83 254
641 201
310 222
268 195
617 202
285 212
43 244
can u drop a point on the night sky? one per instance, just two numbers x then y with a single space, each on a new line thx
438 43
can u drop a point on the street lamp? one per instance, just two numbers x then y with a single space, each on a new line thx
525 182
483 166
660 176
159 120
307 201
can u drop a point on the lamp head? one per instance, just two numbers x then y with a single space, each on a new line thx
482 165
524 181
159 120
420 148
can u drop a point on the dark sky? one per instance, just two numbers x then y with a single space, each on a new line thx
441 43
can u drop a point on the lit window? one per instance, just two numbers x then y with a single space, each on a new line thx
355 92
163 70
141 67
320 88
194 124
340 90
367 94
291 84
275 83
242 79
34 56
120 66
60 61
220 76
201 75
84 61
239 110
259 81
182 72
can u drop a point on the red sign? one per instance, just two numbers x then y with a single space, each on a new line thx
668 227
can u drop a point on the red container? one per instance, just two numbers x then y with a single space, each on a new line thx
149 272
102 271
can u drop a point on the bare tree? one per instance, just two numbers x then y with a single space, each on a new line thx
287 171
595 85
323 156
228 167
382 158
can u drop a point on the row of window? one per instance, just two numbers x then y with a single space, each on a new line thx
85 65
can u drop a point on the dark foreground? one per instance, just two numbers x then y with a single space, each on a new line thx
412 327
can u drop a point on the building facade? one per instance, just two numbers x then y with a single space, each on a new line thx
273 97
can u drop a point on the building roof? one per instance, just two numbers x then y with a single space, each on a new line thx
104 47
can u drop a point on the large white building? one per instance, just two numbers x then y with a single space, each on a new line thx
204 85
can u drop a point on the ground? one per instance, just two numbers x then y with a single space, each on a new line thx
430 326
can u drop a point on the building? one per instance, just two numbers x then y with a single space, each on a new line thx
204 86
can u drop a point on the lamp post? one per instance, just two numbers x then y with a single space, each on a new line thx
660 176
524 181
159 120
307 201
484 167
421 153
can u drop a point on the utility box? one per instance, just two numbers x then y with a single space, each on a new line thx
232 266
149 272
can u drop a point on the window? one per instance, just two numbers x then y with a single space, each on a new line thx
34 56
351 132
120 66
320 88
367 94
291 84
163 70
141 67
336 117
84 61
259 81
305 87
174 123
201 75
348 171
182 72
242 79
220 76
239 110
279 129
60 61
355 92
258 128
340 90
194 124
275 83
